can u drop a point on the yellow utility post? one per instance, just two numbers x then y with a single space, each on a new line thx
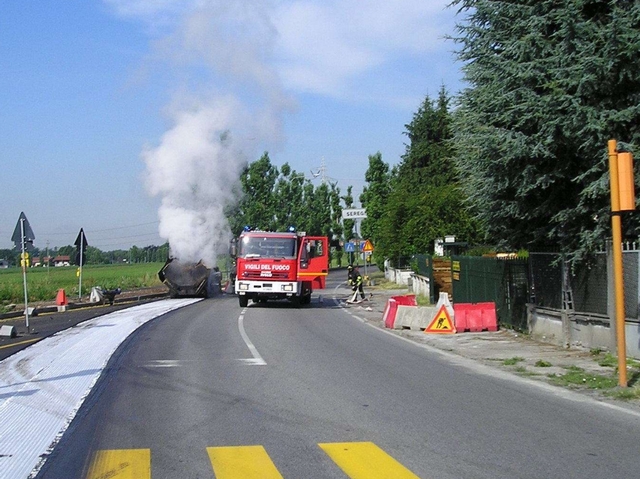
622 199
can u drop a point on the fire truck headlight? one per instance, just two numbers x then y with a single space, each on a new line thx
243 286
287 287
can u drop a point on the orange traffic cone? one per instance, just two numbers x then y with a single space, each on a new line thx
61 298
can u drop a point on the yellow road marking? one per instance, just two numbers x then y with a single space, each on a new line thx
121 464
365 460
242 462
358 460
20 343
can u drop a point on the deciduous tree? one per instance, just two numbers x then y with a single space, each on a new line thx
374 196
256 205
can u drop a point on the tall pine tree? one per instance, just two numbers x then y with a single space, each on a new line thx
425 202
549 83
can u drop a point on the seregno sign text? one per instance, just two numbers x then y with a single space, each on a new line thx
354 213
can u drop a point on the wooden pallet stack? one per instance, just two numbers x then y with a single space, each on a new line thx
442 275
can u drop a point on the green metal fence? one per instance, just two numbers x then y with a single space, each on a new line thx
503 281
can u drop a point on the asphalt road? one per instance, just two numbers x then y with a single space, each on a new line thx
213 375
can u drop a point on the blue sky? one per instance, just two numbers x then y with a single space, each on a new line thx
108 108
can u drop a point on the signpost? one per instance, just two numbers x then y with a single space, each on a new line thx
22 237
622 199
81 248
367 249
354 214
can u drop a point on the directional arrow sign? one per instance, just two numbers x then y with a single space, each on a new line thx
81 240
23 232
81 249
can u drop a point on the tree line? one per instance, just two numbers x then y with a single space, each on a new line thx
135 254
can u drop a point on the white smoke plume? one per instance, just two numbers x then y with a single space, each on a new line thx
223 48
193 170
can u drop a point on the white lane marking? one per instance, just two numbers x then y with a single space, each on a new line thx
165 363
257 360
253 361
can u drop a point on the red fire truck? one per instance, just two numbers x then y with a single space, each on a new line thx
286 265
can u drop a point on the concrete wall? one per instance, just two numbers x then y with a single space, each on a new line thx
420 285
545 325
632 334
589 331
401 277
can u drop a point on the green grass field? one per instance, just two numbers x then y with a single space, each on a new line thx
43 284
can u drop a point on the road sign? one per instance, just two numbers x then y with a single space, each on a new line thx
81 249
81 240
367 247
23 238
441 323
23 233
350 247
354 213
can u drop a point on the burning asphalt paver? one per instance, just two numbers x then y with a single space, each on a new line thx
188 279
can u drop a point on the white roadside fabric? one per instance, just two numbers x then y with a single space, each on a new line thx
43 386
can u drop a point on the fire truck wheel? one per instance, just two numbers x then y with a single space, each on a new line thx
244 301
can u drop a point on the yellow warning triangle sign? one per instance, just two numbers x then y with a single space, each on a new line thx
441 323
368 246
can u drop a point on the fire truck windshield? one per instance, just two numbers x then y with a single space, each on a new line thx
267 247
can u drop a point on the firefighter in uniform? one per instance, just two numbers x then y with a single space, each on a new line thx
349 274
356 282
